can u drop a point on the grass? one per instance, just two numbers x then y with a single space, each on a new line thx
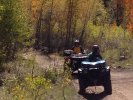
123 64
15 73
113 59
57 93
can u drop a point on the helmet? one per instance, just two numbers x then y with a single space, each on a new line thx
76 41
95 48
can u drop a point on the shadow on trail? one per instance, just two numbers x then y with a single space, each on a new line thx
93 96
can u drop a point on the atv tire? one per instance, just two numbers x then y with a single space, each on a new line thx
108 87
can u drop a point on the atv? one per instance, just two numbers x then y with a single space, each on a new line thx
95 74
73 60
76 60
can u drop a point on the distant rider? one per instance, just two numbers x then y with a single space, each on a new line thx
77 48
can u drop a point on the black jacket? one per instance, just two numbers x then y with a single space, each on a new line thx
92 57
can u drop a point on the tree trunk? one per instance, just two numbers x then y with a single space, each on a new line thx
120 12
49 31
38 28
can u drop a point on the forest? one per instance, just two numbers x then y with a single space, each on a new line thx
51 26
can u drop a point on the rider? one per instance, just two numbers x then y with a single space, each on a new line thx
77 48
95 54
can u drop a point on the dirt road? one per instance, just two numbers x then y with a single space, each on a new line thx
122 84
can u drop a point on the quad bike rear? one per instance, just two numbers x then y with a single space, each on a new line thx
76 60
73 60
95 74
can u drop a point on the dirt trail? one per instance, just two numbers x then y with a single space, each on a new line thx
49 61
122 81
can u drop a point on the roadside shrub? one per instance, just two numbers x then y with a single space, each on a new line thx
53 74
26 80
30 87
